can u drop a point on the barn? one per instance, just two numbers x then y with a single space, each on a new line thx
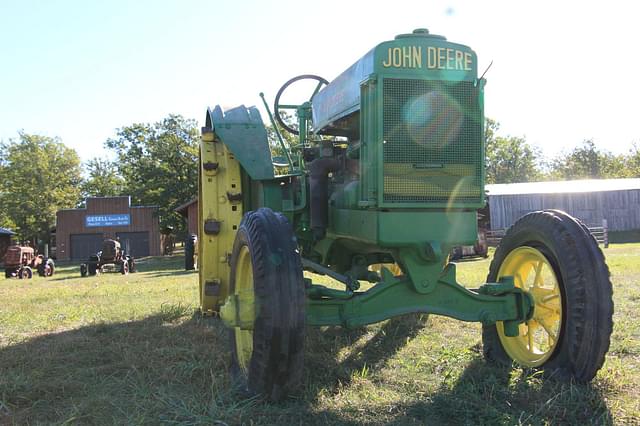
615 201
80 232
5 241
189 211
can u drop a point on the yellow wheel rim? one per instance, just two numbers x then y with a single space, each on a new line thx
538 337
244 286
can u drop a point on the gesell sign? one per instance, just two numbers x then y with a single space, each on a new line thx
107 220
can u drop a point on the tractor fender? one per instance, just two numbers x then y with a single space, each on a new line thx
241 129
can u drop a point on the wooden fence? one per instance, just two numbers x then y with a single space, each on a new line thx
600 233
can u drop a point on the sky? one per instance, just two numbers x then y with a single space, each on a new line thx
562 72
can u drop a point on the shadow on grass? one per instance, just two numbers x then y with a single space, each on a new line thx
334 354
485 394
172 368
167 368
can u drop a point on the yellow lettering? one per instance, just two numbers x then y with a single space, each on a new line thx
467 61
459 57
397 57
441 58
416 57
431 58
406 57
387 63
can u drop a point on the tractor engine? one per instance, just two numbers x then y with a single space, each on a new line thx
410 114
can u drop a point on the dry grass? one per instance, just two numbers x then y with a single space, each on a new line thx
133 350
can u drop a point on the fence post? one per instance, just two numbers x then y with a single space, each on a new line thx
605 230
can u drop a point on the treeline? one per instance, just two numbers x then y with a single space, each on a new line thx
512 159
156 164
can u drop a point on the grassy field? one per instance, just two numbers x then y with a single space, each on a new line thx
133 349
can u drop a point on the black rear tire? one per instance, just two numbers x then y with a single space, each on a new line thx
92 268
586 292
46 268
189 253
25 273
276 362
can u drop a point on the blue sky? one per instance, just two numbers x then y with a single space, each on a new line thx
562 72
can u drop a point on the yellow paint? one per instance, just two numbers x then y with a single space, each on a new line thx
442 58
213 250
244 289
539 336
403 57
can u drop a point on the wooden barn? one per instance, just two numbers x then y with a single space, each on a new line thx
616 201
190 212
80 232
5 241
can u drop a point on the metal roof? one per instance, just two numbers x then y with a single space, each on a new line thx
5 231
564 186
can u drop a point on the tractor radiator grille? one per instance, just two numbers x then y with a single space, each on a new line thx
432 142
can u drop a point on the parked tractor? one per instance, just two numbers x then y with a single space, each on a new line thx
479 249
20 261
111 258
388 168
191 253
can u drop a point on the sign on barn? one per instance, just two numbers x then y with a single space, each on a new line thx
107 220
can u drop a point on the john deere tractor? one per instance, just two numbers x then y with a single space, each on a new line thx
385 176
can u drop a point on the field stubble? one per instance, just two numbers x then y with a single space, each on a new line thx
133 349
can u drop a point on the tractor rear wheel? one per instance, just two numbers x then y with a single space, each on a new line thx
46 268
25 273
267 360
92 268
190 253
557 261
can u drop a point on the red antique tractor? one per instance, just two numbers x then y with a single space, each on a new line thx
21 261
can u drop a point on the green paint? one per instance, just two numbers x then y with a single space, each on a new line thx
409 189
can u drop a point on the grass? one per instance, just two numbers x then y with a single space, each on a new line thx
133 349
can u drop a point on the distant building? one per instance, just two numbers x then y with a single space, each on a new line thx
80 232
5 241
615 200
190 212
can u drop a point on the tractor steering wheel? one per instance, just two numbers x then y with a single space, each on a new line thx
276 107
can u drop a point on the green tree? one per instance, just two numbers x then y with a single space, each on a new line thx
289 139
159 164
632 163
588 162
40 175
103 179
509 159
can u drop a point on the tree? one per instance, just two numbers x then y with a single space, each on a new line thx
633 160
588 162
509 159
103 179
40 176
289 139
159 164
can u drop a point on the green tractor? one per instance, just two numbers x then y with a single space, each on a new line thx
385 177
